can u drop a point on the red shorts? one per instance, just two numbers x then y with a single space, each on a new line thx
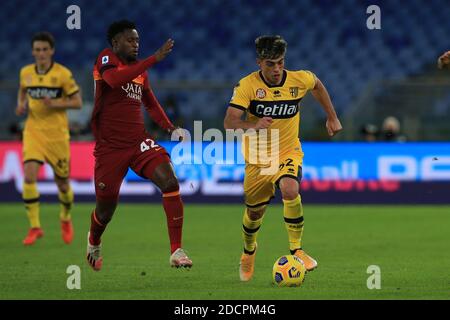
111 165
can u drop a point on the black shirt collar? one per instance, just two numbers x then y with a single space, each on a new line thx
274 85
46 71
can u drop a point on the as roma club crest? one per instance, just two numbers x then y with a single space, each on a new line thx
260 93
293 91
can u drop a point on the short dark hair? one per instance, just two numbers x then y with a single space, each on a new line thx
43 36
270 47
117 27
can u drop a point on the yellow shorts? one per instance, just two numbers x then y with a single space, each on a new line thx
259 188
36 147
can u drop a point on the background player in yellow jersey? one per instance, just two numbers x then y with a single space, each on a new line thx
46 90
270 99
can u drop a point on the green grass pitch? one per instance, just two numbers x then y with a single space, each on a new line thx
410 244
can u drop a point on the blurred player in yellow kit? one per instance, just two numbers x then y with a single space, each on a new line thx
270 99
47 89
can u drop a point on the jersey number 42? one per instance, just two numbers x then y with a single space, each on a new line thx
148 144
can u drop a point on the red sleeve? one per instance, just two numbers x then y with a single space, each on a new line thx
116 76
154 109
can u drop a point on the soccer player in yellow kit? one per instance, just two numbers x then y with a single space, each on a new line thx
270 99
46 90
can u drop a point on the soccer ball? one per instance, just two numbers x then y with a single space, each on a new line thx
288 271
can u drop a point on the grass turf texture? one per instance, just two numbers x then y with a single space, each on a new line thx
408 243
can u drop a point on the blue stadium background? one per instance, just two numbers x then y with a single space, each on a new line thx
370 74
215 45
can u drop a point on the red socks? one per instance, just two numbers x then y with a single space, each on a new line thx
173 206
96 230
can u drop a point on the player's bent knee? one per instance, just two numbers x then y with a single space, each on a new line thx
63 186
62 183
104 216
255 214
289 188
30 171
30 177
289 193
29 180
105 209
170 185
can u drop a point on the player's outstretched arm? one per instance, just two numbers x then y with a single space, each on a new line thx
233 120
320 93
72 102
165 49
21 107
444 60
116 78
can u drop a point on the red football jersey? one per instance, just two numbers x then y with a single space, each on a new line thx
117 118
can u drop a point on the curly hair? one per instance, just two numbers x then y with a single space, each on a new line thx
117 27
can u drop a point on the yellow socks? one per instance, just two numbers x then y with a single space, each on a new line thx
30 196
293 219
66 200
249 232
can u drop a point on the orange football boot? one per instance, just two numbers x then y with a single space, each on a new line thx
32 236
310 263
67 231
247 266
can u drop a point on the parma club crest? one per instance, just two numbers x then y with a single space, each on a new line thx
293 91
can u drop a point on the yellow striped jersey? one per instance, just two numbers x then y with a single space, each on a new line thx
280 102
56 83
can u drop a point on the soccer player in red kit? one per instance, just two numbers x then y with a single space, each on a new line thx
121 87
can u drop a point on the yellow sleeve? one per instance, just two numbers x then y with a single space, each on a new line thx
69 85
21 78
241 96
308 78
